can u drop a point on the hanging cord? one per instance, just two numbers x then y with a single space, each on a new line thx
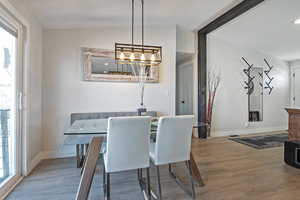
142 1
132 23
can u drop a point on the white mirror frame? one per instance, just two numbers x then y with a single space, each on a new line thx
88 53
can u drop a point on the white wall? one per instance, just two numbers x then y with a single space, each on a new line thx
230 114
33 71
185 40
64 92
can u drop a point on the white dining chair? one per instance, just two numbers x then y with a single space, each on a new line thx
127 148
173 145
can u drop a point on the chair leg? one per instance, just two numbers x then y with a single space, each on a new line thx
158 183
108 187
148 183
188 164
180 183
104 182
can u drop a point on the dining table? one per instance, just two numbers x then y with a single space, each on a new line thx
83 131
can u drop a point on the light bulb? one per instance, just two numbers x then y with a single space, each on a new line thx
132 56
152 57
122 56
143 57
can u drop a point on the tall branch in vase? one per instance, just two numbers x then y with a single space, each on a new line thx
213 82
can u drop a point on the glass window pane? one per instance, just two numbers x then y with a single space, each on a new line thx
7 104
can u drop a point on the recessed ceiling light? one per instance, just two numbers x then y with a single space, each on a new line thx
297 21
106 64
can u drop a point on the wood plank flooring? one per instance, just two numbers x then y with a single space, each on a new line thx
231 171
238 172
59 179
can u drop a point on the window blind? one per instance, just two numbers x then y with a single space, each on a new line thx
4 15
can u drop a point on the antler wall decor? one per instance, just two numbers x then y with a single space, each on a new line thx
249 84
270 79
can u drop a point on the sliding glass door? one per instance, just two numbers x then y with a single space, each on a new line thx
10 117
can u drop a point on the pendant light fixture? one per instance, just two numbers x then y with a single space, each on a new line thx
137 53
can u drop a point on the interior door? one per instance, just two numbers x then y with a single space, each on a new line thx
184 101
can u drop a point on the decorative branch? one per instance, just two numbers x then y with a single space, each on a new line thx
213 82
133 69
142 79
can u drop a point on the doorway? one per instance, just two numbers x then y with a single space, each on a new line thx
184 83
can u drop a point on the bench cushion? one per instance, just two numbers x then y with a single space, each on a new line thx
105 115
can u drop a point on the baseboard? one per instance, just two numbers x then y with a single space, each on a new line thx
10 188
47 155
58 154
34 162
248 131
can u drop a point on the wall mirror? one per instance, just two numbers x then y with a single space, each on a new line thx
99 65
255 95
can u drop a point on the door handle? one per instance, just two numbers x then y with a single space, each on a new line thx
20 103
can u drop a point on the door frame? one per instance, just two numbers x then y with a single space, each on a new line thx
14 19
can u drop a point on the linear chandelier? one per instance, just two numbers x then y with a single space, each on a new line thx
137 53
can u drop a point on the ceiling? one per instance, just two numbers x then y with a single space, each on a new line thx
189 14
267 28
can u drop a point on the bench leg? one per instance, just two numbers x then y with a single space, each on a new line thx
77 155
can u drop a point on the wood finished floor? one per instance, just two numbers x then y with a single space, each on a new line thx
231 171
239 172
58 179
